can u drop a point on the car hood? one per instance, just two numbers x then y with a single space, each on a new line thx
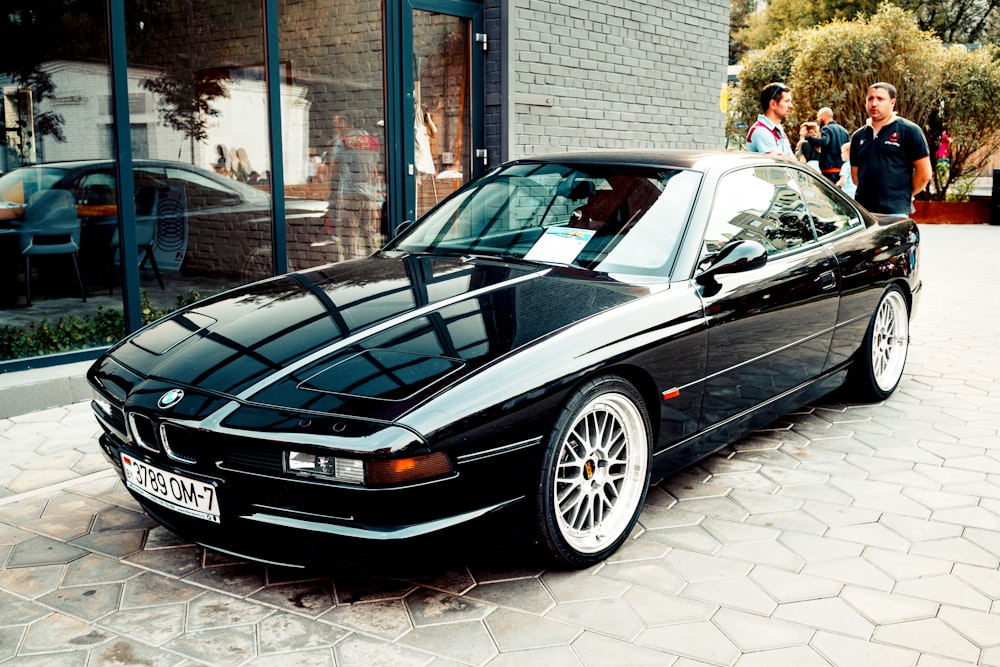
370 338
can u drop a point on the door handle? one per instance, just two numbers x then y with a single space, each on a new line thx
827 280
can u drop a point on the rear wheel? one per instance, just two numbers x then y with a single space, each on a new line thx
595 472
879 366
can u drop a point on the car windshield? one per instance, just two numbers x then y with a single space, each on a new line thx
18 186
611 218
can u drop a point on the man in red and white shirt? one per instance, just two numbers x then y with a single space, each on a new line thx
766 135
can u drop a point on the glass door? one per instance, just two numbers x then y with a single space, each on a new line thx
442 113
434 112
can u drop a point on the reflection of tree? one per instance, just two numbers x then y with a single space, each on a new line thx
824 227
184 97
179 38
37 31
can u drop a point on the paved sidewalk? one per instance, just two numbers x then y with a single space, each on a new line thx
842 535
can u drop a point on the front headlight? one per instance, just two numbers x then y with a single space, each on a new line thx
371 473
349 471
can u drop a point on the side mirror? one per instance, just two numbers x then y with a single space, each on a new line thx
734 257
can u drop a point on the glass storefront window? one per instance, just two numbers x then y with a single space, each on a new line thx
199 140
198 107
54 107
333 132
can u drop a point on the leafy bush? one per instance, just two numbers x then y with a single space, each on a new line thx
78 332
951 90
773 63
968 112
887 46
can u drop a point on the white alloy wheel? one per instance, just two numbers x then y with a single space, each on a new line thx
878 367
890 340
597 473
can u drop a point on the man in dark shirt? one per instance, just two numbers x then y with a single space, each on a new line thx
832 137
889 156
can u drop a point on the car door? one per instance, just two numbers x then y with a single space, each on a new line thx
770 328
839 226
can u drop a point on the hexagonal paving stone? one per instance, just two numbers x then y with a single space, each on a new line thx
85 602
429 607
42 551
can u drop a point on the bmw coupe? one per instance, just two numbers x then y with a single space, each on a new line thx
533 353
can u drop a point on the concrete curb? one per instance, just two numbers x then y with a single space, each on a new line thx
37 389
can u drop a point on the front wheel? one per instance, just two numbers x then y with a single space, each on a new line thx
879 365
595 472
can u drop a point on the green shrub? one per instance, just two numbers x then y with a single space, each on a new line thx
78 332
941 89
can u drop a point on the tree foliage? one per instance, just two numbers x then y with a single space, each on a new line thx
968 111
953 21
184 97
773 63
956 21
951 90
740 12
886 46
779 16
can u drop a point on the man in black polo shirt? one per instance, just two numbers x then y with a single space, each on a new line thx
832 137
889 157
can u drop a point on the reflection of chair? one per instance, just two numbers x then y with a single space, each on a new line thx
146 203
50 227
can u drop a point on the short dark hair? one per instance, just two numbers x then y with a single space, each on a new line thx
887 87
772 91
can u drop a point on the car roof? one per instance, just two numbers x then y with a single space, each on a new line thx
680 158
102 162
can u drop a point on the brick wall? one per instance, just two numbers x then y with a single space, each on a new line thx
610 74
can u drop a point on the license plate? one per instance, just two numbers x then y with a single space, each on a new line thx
181 494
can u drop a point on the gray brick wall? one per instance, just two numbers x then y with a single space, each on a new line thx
608 74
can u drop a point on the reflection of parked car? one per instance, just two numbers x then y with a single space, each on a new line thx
198 221
551 338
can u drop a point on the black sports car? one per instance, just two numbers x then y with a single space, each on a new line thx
533 352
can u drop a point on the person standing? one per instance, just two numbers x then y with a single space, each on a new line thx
832 137
355 194
767 135
844 182
804 150
890 161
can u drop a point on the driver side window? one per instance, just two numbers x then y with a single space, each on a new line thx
761 204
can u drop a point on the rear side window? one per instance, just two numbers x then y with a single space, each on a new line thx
202 192
97 188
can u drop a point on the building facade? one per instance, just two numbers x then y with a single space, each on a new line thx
250 138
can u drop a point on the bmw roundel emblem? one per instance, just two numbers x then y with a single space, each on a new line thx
171 398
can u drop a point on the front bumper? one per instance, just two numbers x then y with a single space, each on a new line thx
297 522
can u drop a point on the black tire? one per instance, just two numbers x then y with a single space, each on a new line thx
879 364
595 472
